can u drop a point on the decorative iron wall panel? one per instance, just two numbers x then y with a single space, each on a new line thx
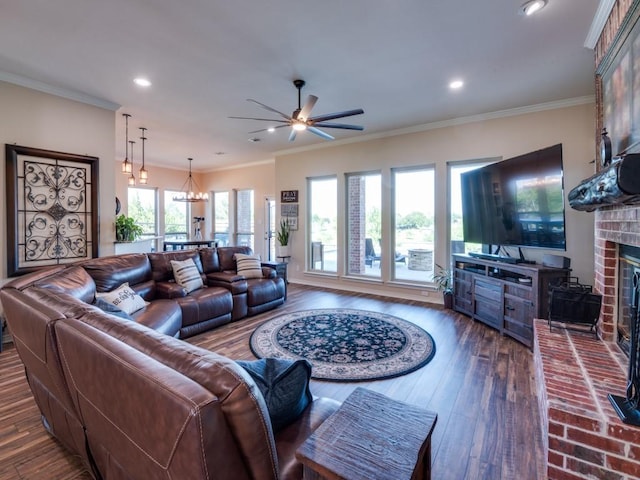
52 208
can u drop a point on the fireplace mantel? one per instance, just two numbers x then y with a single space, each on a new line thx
617 184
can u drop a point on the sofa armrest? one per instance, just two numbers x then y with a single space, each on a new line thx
169 290
233 282
225 277
268 271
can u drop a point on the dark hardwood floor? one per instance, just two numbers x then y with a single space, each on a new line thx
480 383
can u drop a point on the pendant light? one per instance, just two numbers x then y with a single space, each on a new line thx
132 179
126 165
143 176
190 190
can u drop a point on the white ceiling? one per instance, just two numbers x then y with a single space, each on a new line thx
394 59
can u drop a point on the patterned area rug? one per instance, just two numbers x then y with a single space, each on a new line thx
346 345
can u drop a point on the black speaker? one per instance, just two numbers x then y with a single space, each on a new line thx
556 261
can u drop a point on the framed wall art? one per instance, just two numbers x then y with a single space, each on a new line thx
52 208
619 73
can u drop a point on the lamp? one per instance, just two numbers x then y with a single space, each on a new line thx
143 177
126 166
189 193
132 179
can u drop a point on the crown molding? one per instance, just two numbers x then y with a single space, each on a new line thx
58 91
570 102
599 21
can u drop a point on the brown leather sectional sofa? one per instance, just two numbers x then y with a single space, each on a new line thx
130 399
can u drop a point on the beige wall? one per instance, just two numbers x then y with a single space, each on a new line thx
259 177
502 137
34 119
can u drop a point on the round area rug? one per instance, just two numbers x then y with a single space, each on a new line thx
346 345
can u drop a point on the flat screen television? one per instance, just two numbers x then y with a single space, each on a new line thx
516 202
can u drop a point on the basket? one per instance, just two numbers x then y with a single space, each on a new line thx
574 304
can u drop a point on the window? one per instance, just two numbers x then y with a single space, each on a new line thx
323 224
142 206
364 228
176 225
413 223
244 218
455 201
221 218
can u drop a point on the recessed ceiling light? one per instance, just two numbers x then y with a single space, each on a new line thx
142 82
271 129
456 84
532 6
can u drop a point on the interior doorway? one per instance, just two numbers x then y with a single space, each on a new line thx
269 235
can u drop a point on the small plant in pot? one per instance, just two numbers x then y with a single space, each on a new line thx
444 283
127 230
283 235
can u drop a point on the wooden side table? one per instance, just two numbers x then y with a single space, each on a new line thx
370 437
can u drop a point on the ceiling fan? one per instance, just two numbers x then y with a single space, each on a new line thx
301 120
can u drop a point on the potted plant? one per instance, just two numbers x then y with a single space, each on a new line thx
444 283
127 230
283 235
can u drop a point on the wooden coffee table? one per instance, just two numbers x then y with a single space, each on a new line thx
371 437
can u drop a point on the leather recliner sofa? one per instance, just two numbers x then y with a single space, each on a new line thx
226 297
134 402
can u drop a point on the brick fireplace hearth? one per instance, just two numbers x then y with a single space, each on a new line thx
584 438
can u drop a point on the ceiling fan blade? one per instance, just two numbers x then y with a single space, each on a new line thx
320 133
332 116
267 107
306 110
344 126
266 129
292 135
262 119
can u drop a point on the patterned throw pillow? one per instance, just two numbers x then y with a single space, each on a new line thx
124 298
248 265
187 274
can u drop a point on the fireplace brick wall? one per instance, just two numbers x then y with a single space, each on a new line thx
613 226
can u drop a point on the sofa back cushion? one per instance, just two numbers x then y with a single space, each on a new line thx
161 268
73 280
225 255
111 272
144 419
209 258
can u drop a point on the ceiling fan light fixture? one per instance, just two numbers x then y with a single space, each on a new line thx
532 6
299 126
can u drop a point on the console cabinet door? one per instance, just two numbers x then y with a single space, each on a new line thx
487 302
463 292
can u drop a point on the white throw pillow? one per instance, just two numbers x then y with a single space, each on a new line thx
124 298
186 274
248 266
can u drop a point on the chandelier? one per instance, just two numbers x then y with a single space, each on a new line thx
190 190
